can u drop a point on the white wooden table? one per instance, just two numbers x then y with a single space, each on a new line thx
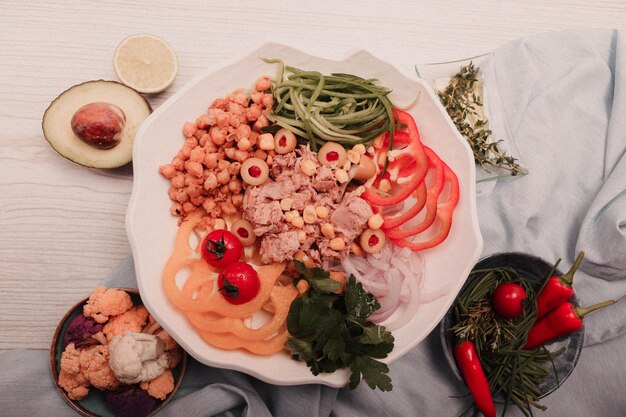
62 225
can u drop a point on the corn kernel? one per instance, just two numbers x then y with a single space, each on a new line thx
328 230
307 167
375 222
337 244
302 286
359 148
356 249
371 150
346 165
385 185
220 224
266 141
322 211
285 204
342 176
353 156
309 214
298 222
301 236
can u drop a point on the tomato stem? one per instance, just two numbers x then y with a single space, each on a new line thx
231 290
217 247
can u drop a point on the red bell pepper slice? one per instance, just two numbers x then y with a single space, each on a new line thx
432 195
401 191
420 195
444 214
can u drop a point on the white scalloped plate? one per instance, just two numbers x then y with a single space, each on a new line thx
151 228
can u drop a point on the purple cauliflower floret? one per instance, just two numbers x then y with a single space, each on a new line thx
80 330
130 401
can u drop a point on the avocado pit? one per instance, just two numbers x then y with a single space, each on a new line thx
99 124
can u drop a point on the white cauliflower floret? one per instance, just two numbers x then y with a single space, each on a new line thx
136 357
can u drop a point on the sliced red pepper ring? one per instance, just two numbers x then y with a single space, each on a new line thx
420 195
401 191
444 214
432 196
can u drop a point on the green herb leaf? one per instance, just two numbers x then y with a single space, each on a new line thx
331 331
318 278
373 372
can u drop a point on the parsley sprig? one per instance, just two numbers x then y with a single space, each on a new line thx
331 331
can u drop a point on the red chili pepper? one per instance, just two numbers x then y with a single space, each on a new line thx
567 318
403 190
432 196
474 376
557 290
444 214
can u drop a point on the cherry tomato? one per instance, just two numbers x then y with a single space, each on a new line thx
508 299
239 282
220 248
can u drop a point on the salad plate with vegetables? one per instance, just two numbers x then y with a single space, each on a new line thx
302 220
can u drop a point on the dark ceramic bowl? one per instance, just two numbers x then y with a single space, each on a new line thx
536 271
94 404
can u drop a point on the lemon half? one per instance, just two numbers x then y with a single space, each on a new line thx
146 63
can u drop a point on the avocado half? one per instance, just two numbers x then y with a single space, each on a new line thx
57 129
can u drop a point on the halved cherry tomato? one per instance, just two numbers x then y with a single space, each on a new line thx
220 248
238 283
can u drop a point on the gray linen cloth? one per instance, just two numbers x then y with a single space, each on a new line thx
560 99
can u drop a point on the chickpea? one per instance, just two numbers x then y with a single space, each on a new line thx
210 183
301 236
204 139
178 181
182 196
188 207
176 209
209 205
168 171
210 160
194 169
260 153
223 164
223 177
230 153
224 189
237 200
266 141
234 186
241 155
234 168
244 144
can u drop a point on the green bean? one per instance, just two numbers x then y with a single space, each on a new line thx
341 108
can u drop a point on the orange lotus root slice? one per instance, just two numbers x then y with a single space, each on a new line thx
229 341
280 299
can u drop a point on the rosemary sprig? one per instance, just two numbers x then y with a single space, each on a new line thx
464 106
